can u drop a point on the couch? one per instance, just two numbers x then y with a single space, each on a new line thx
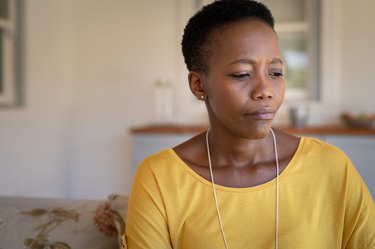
56 223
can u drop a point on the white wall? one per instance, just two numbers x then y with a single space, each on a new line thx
90 69
32 138
89 73
121 48
358 52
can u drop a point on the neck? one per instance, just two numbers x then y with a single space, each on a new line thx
238 152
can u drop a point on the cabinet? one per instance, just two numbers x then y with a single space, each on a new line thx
359 145
361 150
148 144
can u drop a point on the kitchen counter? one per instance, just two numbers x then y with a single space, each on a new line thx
313 130
358 144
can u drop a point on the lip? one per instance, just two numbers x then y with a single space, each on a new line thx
264 114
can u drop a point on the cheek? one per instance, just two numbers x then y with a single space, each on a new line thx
282 88
221 91
228 98
280 92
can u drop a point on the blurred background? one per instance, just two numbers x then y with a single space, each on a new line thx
87 73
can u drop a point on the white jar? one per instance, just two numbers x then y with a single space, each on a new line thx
163 91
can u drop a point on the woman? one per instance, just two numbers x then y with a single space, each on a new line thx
242 184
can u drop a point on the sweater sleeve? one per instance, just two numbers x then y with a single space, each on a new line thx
360 213
146 223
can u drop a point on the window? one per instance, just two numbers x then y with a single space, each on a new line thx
297 26
10 75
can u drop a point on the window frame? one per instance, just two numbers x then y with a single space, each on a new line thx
11 71
311 27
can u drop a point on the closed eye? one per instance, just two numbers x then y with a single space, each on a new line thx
276 74
241 76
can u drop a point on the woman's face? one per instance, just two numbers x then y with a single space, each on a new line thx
244 83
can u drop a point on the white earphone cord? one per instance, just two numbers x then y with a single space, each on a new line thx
277 191
214 191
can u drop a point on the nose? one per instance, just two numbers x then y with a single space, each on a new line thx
261 89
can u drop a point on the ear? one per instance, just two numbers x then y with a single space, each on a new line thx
196 85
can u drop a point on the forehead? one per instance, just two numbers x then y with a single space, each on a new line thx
245 36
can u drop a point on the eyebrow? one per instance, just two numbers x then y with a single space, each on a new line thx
250 61
277 61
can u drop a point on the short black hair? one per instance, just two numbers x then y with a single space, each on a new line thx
212 16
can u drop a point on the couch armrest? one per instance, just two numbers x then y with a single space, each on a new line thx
119 206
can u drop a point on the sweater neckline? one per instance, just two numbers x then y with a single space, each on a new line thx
268 184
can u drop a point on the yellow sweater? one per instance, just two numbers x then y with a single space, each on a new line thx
324 204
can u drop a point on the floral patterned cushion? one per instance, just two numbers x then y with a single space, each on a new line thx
41 223
119 205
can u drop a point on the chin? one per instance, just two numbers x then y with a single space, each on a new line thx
260 131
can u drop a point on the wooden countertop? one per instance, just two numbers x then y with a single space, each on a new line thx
165 129
313 130
329 130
